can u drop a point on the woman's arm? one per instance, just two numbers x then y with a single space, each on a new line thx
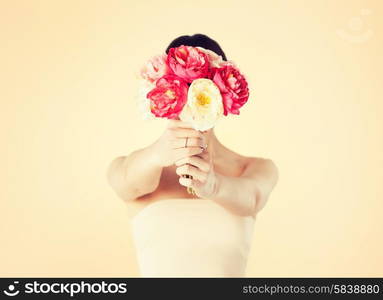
245 195
136 174
139 173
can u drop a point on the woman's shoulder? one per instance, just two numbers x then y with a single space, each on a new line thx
252 160
261 166
246 159
253 163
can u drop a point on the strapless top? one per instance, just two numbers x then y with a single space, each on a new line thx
191 238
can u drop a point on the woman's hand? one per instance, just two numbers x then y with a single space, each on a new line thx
200 167
170 147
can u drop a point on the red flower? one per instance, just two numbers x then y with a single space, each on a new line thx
188 62
168 97
233 86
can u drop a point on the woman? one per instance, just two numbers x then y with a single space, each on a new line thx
205 234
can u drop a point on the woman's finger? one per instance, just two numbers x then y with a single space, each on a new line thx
186 132
178 124
188 182
195 161
205 155
185 152
190 142
192 171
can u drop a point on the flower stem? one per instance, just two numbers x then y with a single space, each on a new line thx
189 189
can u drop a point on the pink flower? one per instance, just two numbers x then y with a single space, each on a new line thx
188 62
168 97
215 60
233 86
155 68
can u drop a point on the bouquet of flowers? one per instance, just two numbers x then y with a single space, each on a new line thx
193 84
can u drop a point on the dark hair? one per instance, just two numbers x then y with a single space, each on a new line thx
197 40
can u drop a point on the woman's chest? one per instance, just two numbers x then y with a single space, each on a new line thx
169 185
170 188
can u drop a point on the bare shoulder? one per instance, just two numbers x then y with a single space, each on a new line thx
254 167
261 167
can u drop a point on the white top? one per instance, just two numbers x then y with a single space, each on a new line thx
191 238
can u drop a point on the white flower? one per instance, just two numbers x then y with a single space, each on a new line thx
143 103
204 105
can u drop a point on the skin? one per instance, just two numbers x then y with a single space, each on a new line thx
240 184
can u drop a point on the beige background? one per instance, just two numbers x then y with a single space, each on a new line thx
67 109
